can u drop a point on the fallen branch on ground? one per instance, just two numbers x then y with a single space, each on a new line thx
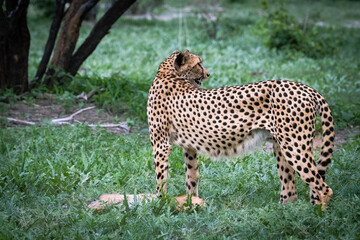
21 121
70 119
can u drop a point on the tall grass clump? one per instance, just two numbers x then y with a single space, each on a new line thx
122 95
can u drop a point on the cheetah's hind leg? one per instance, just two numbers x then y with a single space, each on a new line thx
286 175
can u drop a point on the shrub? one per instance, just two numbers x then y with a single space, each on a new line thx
281 31
146 6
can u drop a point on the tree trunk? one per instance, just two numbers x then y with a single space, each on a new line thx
54 29
14 45
64 56
68 37
70 32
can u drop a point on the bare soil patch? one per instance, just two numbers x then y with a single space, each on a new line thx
47 109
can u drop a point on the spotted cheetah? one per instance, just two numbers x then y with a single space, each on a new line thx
228 121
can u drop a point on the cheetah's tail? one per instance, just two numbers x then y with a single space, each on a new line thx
328 135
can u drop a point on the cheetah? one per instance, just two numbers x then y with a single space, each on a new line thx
229 121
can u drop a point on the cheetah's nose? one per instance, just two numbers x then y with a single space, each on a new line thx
208 74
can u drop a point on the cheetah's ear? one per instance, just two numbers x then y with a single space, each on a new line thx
185 55
181 59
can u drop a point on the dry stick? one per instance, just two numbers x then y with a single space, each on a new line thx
86 97
62 121
54 121
58 120
21 121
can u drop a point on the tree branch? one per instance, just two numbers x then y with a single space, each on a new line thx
70 33
100 29
54 29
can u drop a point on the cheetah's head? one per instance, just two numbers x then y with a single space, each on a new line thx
190 67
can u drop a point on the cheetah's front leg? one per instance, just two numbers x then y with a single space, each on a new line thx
192 172
161 161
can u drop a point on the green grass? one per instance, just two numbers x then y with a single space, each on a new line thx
49 175
133 50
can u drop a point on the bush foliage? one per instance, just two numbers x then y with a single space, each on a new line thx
281 31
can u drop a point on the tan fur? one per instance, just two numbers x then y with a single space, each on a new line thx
228 121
